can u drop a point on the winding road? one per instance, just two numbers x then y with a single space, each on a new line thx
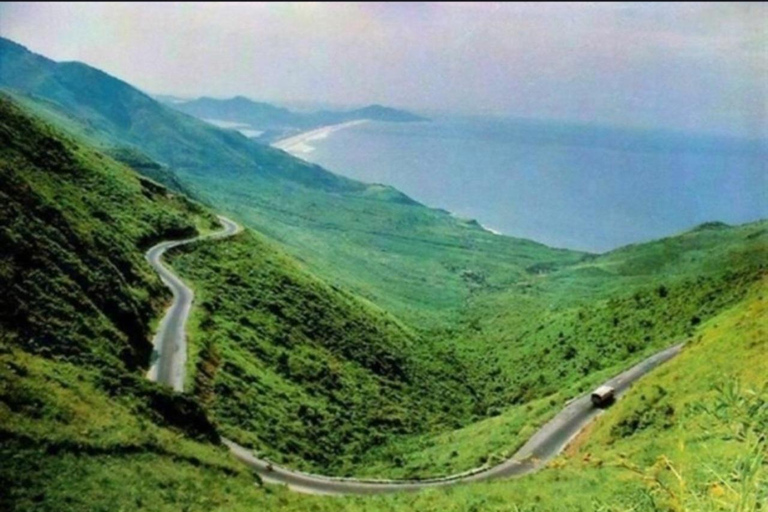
169 358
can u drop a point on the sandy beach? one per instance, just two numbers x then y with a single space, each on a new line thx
243 128
299 144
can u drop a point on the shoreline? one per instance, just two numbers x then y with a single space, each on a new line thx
297 145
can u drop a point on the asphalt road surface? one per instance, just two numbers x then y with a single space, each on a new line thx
169 355
169 358
542 447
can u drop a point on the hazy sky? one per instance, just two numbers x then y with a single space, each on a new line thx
702 67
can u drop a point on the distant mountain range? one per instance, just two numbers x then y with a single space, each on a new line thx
277 122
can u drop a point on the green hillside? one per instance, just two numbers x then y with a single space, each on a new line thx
419 263
689 437
73 222
517 356
77 305
304 372
77 302
110 112
549 337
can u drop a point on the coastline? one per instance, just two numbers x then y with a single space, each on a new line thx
297 145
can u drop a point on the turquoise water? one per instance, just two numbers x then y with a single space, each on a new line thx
580 187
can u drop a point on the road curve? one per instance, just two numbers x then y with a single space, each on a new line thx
169 358
544 445
169 355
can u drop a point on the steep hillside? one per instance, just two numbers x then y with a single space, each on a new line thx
109 111
422 264
688 437
304 372
553 335
75 314
75 311
73 224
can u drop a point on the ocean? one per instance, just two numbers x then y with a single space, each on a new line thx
581 187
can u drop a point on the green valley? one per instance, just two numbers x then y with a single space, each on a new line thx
516 368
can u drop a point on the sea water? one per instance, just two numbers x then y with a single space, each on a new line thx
576 186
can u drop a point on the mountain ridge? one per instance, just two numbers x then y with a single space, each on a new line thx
278 122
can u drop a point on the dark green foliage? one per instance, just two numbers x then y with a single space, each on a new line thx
76 288
74 283
655 412
305 372
145 166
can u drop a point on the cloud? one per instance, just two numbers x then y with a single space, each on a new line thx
689 66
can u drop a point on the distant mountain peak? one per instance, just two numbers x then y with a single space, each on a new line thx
8 44
710 226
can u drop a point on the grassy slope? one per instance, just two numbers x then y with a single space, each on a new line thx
686 438
301 370
421 264
280 359
76 304
73 222
553 336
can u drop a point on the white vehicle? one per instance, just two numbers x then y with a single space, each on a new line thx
603 396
